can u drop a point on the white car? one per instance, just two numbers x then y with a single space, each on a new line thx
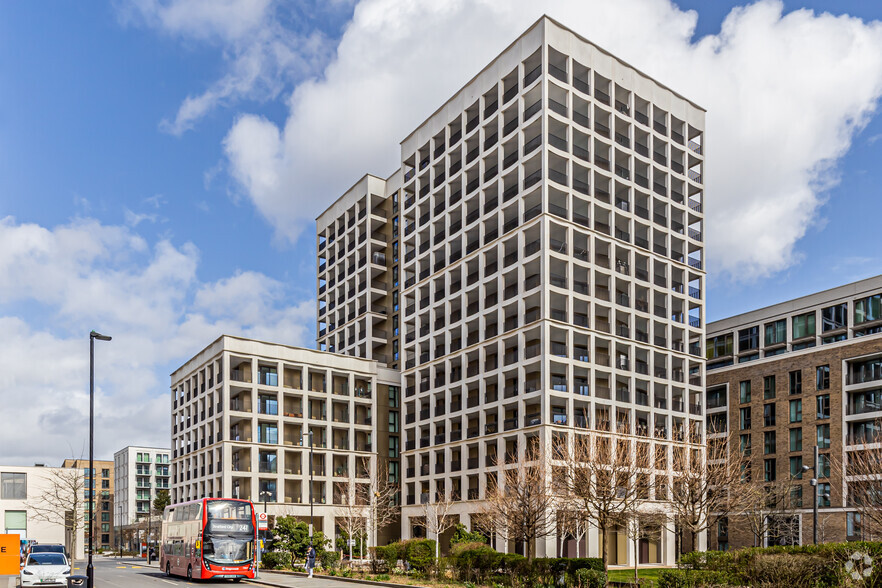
45 569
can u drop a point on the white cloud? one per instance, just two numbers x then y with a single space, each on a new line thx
60 283
785 95
262 54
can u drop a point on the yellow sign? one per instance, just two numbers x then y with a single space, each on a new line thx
10 559
198 544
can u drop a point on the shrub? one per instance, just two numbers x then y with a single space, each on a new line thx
378 563
330 559
420 554
276 560
391 554
463 535
691 579
474 561
590 578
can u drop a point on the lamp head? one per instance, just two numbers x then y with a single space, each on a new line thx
99 336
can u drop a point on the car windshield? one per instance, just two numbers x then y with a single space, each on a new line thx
47 559
47 548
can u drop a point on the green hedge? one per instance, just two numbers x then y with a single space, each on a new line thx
419 553
819 566
478 562
275 560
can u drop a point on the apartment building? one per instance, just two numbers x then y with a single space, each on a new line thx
792 376
23 488
139 473
98 487
244 413
534 269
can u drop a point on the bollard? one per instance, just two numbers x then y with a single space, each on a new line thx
77 581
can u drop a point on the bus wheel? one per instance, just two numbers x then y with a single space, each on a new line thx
189 572
167 569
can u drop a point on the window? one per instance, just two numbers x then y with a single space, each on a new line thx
105 516
823 402
13 486
768 442
868 309
768 387
393 421
834 317
796 467
834 339
395 272
393 447
804 325
395 301
769 470
267 404
796 439
824 494
823 465
395 329
716 397
745 391
796 411
105 483
394 397
720 346
768 415
796 382
796 497
745 444
395 251
105 473
268 434
853 527
16 520
748 339
717 422
776 332
745 418
823 436
822 381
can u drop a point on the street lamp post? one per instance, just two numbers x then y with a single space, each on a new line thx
813 482
265 495
90 570
310 484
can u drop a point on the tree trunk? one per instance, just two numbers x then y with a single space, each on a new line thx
694 535
603 550
636 559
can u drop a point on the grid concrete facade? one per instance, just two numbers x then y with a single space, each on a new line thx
801 373
535 267
140 472
242 412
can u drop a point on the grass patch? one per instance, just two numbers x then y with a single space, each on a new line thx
622 575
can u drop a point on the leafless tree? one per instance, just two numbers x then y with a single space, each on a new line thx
438 519
766 509
352 514
702 480
863 475
642 523
572 523
381 498
520 503
605 475
61 503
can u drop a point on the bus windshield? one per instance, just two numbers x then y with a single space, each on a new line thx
228 538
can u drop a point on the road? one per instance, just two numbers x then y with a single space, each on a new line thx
111 572
127 573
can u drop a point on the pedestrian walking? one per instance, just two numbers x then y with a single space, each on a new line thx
310 559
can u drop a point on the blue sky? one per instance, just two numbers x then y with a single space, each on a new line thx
161 161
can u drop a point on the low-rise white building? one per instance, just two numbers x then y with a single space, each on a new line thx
26 511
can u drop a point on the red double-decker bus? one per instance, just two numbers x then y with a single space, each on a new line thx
209 538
